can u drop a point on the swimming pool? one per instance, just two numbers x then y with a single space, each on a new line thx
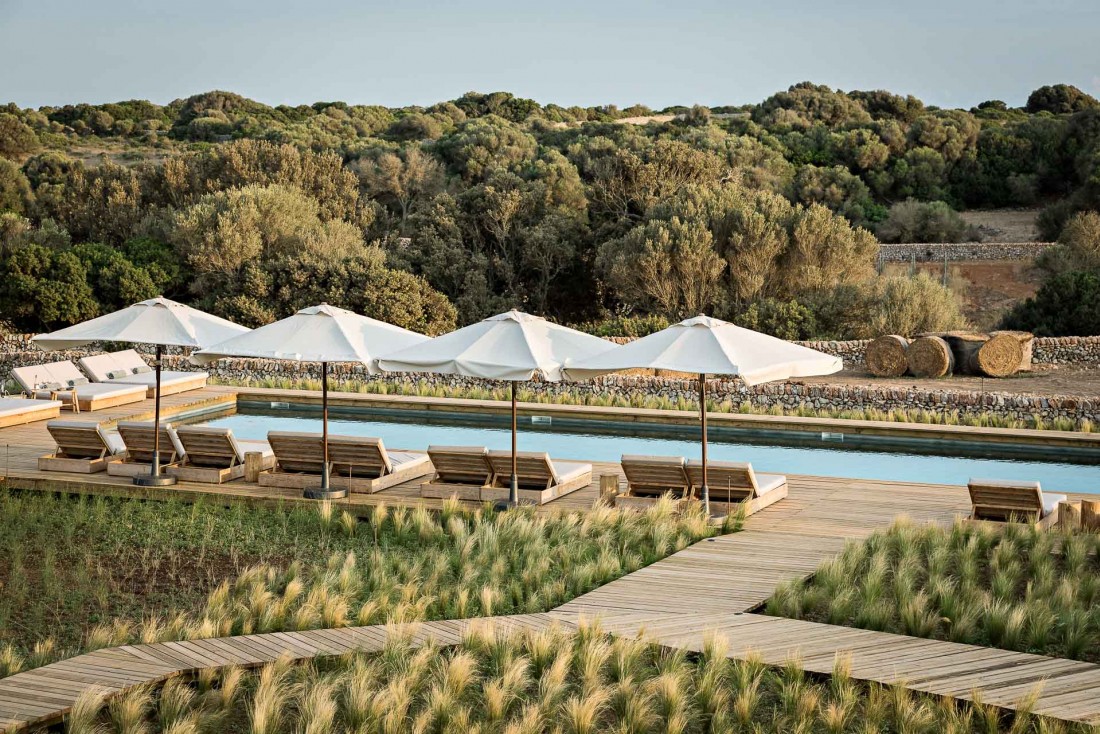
927 461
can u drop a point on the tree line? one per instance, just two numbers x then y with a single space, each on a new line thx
768 214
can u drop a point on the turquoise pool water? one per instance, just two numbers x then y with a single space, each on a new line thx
591 441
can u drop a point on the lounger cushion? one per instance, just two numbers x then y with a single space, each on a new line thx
127 367
459 449
767 482
32 377
251 445
569 470
1050 501
636 459
21 406
96 390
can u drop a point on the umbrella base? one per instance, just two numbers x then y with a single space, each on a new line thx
325 494
160 480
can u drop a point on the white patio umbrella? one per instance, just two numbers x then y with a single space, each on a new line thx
710 346
160 322
510 346
322 334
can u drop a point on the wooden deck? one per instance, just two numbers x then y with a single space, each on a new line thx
712 586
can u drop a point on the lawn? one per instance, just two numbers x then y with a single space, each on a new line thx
1009 586
79 573
550 681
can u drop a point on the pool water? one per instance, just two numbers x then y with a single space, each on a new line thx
597 442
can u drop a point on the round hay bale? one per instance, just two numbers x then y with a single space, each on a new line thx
964 346
929 356
885 356
1027 343
1000 356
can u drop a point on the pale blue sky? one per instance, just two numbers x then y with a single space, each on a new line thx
948 52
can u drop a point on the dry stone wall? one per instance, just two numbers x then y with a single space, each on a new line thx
961 251
15 352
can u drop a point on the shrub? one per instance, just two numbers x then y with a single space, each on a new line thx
924 221
625 326
1078 246
1066 305
784 319
887 305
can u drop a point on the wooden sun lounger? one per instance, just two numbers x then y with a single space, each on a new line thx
19 411
460 471
62 380
83 447
128 368
356 463
1003 500
650 477
138 437
539 479
734 487
214 455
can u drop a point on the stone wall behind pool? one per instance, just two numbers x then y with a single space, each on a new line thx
790 396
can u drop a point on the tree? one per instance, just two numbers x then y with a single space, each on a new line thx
1059 99
1066 305
224 236
116 282
924 221
16 137
43 289
666 266
15 189
402 179
321 176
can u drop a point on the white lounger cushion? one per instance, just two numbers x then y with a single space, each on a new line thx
102 366
1050 501
250 445
96 390
767 482
21 406
565 471
63 374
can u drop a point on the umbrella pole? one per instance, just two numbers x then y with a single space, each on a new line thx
513 488
704 491
325 492
154 478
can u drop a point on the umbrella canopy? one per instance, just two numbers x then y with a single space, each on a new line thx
509 346
160 322
707 345
321 333
710 346
156 321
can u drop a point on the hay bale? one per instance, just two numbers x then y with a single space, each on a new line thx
929 356
885 356
1000 356
964 347
1027 344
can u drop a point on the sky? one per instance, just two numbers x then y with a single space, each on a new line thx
953 53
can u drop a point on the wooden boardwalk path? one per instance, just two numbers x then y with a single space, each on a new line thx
44 695
1062 689
712 586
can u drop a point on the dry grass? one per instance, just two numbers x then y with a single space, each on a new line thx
1009 586
399 565
550 681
